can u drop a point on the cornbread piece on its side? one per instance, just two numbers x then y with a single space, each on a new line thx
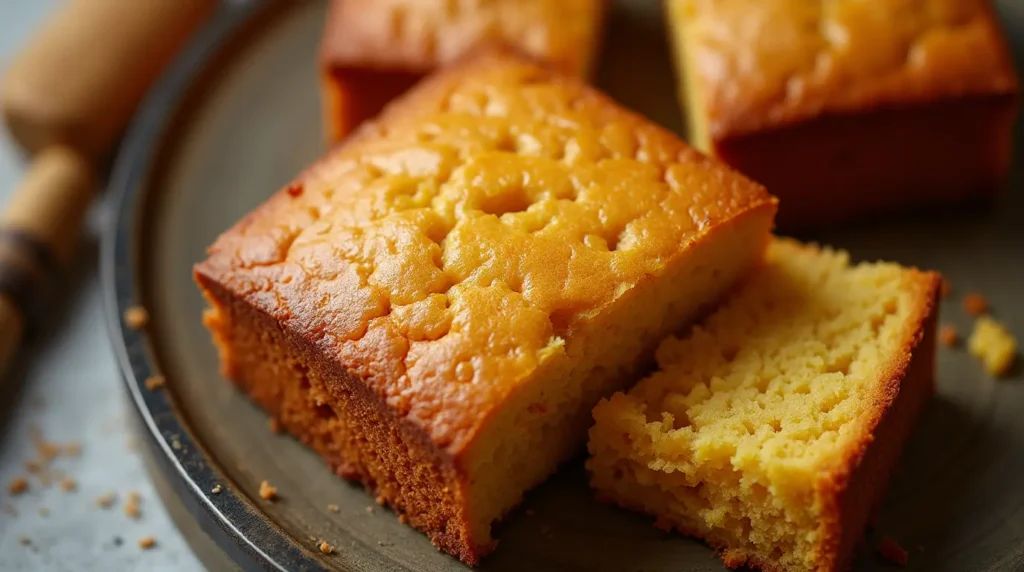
772 429
437 305
374 50
849 108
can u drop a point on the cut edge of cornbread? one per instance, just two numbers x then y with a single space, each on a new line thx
455 490
711 485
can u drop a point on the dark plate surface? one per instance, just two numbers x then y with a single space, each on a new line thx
239 115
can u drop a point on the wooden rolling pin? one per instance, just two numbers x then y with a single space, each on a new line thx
66 98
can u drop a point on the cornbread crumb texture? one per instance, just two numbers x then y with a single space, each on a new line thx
994 345
147 542
17 486
836 57
732 437
326 548
418 35
463 237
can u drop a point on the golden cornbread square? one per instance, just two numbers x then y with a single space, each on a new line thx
437 304
848 108
374 50
771 430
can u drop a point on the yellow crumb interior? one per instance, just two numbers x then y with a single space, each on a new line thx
727 440
994 345
690 97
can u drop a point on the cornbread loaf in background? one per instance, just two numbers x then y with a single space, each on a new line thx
772 429
850 109
436 306
373 50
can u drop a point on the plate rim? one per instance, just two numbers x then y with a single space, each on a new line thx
185 463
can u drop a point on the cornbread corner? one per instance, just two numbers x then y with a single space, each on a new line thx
436 306
888 104
994 345
771 431
374 50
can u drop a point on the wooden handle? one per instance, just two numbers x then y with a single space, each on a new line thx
38 232
79 80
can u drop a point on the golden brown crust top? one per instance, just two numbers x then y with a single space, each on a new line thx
768 63
445 252
419 35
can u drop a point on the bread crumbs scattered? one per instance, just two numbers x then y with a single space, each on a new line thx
948 336
326 548
274 424
216 489
267 492
891 550
975 304
107 500
68 485
131 506
994 345
155 382
136 317
17 486
946 288
147 542
333 508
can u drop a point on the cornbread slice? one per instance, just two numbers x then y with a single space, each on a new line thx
436 306
847 108
374 50
771 430
994 345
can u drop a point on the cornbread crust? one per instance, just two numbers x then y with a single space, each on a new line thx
396 306
883 104
850 490
374 50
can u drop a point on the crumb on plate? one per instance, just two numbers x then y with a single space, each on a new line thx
18 486
994 345
891 550
68 485
147 542
326 548
948 335
975 304
136 317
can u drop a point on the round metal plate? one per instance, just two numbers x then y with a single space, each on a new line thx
238 116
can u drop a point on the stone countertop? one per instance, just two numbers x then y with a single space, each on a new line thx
66 388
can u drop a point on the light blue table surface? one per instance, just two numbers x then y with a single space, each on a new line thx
66 385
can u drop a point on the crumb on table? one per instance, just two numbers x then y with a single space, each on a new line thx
948 335
216 489
891 550
131 506
333 508
267 492
154 382
994 345
107 500
68 485
326 548
147 542
975 304
136 317
18 486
